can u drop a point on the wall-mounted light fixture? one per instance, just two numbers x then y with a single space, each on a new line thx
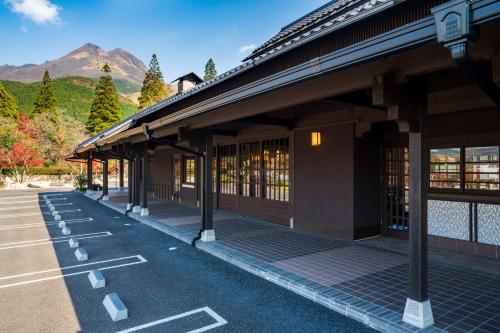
315 138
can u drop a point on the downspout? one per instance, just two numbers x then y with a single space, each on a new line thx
149 138
454 30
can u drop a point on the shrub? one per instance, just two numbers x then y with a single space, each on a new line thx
80 182
51 171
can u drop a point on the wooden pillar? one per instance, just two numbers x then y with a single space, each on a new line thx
418 310
121 171
207 185
105 180
217 176
137 186
145 183
89 175
130 184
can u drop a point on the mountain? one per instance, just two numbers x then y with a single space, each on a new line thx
73 94
85 61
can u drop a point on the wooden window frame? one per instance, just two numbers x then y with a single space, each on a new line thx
185 173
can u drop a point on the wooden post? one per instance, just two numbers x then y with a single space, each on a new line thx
145 183
137 186
418 310
130 184
105 180
89 175
207 233
122 169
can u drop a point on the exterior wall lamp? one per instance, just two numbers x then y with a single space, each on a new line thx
315 138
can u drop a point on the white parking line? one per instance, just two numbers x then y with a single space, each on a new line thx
139 257
219 321
57 205
29 196
29 201
64 211
37 225
34 206
54 240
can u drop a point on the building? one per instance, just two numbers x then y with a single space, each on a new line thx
360 118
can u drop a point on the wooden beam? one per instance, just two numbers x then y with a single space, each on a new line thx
266 120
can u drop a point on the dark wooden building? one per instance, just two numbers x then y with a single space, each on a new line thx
361 118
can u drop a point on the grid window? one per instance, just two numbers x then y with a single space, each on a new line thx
189 170
250 170
482 168
228 171
445 168
276 158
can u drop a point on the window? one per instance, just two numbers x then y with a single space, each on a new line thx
482 168
445 168
228 173
276 169
189 170
250 169
315 138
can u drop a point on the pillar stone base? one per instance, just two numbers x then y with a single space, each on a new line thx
105 198
90 192
144 212
418 314
207 235
136 209
129 206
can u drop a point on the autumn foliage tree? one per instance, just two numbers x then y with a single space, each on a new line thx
20 159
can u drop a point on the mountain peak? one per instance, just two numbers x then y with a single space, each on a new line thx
87 61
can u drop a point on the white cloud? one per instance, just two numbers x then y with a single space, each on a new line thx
246 48
24 29
39 11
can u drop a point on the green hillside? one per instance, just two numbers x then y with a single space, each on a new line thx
74 94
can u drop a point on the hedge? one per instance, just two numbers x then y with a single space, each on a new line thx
51 171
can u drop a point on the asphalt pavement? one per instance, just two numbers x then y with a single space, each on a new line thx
166 285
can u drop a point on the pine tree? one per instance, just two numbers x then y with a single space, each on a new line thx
210 70
105 110
45 101
8 107
153 87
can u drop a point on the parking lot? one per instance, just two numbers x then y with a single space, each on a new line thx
166 285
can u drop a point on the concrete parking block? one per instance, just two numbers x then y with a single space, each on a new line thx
55 212
66 231
81 254
57 217
115 307
74 243
52 208
96 279
61 224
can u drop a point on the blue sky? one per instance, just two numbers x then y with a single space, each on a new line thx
183 33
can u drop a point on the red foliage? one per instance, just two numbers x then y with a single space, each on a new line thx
27 126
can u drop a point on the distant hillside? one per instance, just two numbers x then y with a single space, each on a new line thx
85 61
74 94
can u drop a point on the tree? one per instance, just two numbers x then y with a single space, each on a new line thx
45 100
210 70
19 160
153 87
59 136
105 110
8 107
8 132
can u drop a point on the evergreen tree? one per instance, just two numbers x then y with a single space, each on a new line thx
45 101
8 107
210 70
153 87
105 110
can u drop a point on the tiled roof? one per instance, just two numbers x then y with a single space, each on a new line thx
308 21
336 18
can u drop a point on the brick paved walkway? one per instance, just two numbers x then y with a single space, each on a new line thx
368 284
